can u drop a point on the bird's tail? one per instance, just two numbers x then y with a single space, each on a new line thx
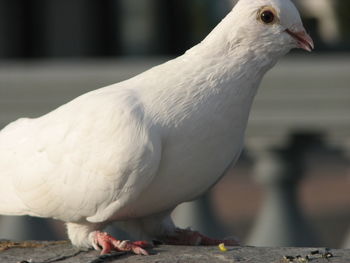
10 203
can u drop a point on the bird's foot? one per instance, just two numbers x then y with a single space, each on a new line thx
189 237
104 241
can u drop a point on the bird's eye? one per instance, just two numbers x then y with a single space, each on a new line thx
267 16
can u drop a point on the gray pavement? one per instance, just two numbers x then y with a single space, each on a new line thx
65 253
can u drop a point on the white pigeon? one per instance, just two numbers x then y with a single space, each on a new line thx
131 152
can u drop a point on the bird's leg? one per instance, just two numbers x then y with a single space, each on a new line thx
104 241
193 238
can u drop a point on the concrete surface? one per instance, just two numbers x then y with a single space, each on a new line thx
63 252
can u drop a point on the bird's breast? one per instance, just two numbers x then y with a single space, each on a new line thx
192 161
200 139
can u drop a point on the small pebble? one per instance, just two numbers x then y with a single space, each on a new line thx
289 258
328 255
222 247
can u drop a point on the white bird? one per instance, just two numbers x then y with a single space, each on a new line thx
131 152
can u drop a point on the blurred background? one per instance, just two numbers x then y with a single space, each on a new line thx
291 186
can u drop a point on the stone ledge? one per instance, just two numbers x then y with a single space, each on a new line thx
63 252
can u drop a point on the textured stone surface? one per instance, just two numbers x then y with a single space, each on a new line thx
63 252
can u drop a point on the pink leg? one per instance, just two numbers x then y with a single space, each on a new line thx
193 238
109 243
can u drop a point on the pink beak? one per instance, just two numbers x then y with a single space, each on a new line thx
303 39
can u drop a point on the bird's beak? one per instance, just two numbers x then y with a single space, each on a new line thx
303 39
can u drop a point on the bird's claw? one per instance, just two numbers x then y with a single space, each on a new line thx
104 241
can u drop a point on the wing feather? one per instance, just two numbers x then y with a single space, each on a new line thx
81 159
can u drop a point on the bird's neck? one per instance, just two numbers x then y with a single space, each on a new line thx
227 75
236 54
216 76
203 87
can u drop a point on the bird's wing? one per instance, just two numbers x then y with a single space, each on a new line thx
86 159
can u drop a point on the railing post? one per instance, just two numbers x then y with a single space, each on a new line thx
346 145
137 26
281 222
347 241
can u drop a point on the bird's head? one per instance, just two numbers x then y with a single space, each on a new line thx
268 25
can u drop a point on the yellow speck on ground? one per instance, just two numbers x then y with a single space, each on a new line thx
222 247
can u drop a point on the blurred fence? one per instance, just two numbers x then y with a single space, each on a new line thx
85 28
55 28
